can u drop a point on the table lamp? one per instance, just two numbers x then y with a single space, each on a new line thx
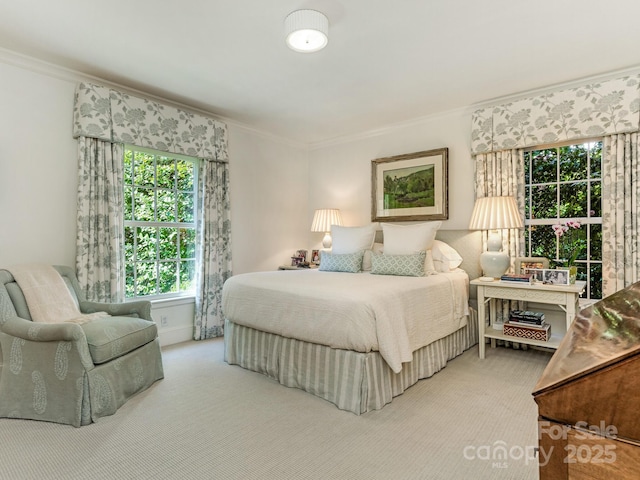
322 221
493 214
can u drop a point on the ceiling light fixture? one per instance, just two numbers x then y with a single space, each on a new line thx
306 30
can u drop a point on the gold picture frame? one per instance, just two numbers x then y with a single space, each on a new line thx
535 263
410 187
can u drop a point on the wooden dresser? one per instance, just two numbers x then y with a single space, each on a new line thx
589 395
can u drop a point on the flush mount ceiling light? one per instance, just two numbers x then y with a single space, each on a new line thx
306 31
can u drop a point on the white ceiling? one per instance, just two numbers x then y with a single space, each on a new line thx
388 61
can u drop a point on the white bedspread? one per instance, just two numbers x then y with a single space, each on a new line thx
390 314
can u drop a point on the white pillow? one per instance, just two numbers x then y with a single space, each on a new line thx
407 239
366 261
445 257
352 239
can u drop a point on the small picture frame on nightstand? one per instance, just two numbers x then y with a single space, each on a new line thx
524 264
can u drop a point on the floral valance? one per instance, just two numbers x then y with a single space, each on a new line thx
114 116
597 109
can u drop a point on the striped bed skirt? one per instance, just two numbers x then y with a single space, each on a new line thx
353 381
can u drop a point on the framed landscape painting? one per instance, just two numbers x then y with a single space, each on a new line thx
410 187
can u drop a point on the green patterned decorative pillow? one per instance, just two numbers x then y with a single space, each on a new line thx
344 262
411 265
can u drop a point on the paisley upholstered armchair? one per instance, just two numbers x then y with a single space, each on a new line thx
73 373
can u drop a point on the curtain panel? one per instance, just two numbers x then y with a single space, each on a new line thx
620 212
213 248
100 225
117 117
502 174
594 110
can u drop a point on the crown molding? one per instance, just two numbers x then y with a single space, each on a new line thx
53 70
492 102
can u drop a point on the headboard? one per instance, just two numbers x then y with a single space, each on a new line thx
468 243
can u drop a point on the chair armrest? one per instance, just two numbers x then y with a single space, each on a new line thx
42 332
139 308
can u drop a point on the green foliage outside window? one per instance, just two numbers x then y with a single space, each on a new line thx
563 184
160 236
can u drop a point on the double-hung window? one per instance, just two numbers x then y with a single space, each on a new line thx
563 208
160 232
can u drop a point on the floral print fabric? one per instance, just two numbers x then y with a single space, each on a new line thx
597 109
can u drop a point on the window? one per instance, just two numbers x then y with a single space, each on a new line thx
564 184
160 230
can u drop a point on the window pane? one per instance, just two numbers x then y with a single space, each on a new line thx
166 172
168 277
144 170
574 241
573 200
595 287
128 242
129 287
166 206
185 208
527 166
146 278
143 199
168 243
543 241
147 243
186 175
573 162
596 242
544 165
187 243
544 201
596 160
187 274
596 199
128 203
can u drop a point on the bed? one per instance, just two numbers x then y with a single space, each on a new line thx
354 339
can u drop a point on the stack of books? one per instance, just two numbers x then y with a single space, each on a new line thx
513 277
526 318
527 324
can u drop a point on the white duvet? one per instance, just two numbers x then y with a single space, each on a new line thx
353 311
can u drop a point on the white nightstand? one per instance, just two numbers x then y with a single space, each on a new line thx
565 296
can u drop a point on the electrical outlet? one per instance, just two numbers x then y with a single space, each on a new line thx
163 320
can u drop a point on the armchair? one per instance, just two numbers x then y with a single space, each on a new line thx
73 373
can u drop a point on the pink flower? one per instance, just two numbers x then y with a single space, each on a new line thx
559 229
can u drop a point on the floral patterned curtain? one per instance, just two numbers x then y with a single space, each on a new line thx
100 225
213 248
502 174
620 212
593 110
104 118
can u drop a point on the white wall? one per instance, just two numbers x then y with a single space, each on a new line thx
340 174
37 168
269 192
38 185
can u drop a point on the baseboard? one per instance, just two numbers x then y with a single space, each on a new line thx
169 336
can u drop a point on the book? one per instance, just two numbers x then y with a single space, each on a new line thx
527 314
541 325
533 323
512 277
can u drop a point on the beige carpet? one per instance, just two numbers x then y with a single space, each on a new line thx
209 420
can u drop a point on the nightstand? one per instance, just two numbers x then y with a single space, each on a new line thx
565 296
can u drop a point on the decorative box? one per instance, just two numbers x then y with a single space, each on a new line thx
533 333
